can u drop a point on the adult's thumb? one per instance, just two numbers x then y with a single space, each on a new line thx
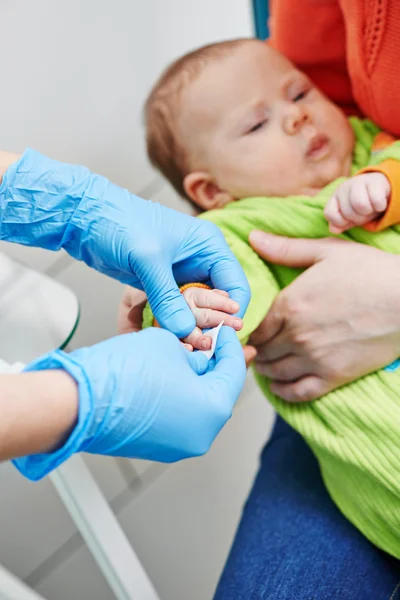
169 306
290 251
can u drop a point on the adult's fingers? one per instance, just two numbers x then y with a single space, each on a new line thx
168 304
303 390
227 274
288 369
292 252
268 328
229 373
250 354
197 361
130 313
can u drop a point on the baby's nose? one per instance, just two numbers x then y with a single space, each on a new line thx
295 121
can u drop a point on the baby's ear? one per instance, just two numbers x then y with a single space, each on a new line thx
203 191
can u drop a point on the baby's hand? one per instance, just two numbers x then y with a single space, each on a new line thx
209 307
357 201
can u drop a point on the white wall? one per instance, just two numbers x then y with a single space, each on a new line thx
74 75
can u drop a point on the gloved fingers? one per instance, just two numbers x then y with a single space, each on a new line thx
197 361
229 372
127 278
221 270
168 305
228 275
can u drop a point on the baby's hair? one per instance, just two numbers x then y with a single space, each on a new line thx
164 148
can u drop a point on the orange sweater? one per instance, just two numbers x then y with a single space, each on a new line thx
349 48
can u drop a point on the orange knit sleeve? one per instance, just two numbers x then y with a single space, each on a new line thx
311 33
390 168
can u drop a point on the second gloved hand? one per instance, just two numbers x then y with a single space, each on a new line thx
142 395
54 205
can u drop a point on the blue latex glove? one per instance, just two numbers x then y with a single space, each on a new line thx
142 395
53 205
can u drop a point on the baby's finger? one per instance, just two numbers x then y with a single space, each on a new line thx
198 340
345 209
187 347
207 318
209 299
334 216
337 230
234 322
360 203
222 293
379 192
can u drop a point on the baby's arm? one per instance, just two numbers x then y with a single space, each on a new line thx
358 201
209 308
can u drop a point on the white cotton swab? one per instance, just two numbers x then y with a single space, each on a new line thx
213 333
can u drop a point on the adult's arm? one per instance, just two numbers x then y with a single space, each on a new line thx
6 160
311 33
139 395
338 321
54 205
37 412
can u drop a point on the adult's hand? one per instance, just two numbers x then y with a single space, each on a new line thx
142 395
338 321
130 311
53 205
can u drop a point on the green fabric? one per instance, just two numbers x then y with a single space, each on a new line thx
353 431
147 318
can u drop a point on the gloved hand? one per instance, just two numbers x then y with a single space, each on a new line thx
142 395
54 205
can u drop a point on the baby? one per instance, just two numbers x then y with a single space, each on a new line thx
244 135
237 119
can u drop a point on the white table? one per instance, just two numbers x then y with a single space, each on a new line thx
37 315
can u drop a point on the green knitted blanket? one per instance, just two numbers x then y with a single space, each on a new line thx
355 430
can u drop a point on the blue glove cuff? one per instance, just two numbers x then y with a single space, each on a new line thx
38 197
36 466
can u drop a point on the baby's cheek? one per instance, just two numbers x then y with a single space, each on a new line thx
242 173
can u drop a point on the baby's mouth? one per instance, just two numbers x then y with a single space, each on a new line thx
318 147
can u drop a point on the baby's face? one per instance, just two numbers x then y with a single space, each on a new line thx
258 127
